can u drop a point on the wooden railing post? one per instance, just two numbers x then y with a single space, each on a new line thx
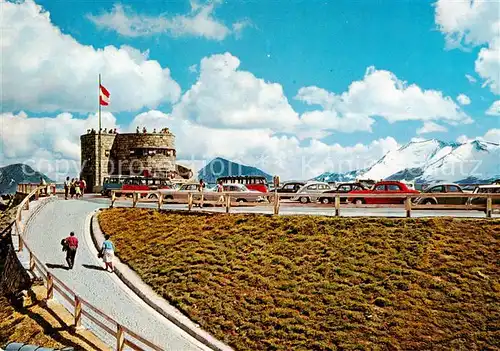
190 201
337 205
20 241
135 199
78 313
276 203
228 203
160 200
120 338
37 195
50 286
408 206
202 198
32 262
113 198
489 207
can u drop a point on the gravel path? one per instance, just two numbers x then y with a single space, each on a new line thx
102 289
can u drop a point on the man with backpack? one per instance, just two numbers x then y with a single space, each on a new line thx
70 244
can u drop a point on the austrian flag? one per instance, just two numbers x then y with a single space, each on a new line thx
104 96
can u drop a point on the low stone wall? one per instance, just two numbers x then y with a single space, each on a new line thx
14 278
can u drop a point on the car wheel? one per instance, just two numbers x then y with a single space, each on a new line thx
359 201
169 197
325 200
304 200
153 196
241 200
429 202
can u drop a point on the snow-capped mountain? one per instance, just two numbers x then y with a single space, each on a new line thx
433 161
472 161
413 155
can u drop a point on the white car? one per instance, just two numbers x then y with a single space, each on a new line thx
245 194
311 188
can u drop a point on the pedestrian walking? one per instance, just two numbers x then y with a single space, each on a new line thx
107 253
70 245
72 190
78 192
83 185
66 188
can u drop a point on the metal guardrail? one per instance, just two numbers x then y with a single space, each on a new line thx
82 308
275 200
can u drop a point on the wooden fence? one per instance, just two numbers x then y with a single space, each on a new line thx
81 307
26 188
275 200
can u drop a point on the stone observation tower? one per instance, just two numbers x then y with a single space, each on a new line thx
134 154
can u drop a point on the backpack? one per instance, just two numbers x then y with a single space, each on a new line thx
64 245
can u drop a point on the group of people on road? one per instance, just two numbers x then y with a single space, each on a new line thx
107 252
74 188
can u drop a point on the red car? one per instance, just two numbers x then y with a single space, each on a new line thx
143 183
384 187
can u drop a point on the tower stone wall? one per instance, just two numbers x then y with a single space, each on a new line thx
152 154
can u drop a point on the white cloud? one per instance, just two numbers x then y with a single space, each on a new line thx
494 109
380 93
431 127
470 78
283 155
488 65
467 23
193 68
492 135
463 99
46 70
200 22
226 97
49 144
52 145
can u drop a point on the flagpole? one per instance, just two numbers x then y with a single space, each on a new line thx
99 135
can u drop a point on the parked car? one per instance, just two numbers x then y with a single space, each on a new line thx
343 188
112 183
442 189
288 187
485 189
311 188
244 194
383 187
181 194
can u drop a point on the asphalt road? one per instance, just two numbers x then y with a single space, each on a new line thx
310 209
44 232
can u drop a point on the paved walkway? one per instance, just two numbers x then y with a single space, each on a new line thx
44 232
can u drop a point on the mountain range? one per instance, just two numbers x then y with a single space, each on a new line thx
432 161
220 167
14 174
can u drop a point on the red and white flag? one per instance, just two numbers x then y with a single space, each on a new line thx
104 96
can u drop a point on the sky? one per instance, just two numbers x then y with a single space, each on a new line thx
295 88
